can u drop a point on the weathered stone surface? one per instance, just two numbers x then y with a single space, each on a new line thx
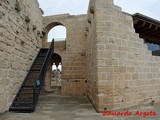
118 58
72 52
14 53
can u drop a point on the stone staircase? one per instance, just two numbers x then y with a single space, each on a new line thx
56 90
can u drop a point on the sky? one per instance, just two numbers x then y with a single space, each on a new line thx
147 7
74 7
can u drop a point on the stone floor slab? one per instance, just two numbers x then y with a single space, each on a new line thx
54 107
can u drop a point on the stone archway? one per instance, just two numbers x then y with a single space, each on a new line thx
48 28
58 32
53 78
72 51
56 58
56 71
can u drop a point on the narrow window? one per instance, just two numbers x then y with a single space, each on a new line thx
155 48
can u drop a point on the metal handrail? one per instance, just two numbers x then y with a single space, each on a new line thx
41 76
25 78
42 73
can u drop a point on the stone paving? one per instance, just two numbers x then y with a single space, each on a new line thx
54 107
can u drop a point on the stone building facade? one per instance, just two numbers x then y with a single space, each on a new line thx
102 58
72 52
122 72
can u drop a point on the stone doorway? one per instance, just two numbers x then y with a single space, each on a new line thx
56 73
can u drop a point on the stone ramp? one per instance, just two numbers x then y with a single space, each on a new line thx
55 107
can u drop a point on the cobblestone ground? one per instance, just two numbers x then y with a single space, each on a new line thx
52 107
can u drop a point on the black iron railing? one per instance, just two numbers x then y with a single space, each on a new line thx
37 74
39 82
29 71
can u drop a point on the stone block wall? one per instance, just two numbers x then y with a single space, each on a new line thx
20 29
72 52
127 73
91 63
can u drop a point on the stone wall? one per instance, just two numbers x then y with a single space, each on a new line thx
127 73
72 52
20 30
91 54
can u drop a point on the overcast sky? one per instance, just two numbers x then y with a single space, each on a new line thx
74 7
